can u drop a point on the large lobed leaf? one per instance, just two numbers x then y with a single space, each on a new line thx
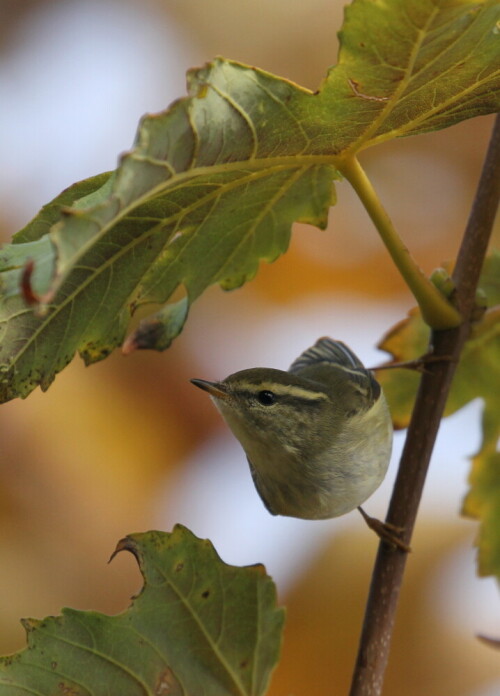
198 626
213 185
477 376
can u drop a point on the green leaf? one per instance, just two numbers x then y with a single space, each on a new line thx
213 185
198 626
82 191
482 502
407 340
478 373
477 376
412 66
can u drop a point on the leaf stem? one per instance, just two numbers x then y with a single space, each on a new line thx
435 308
427 413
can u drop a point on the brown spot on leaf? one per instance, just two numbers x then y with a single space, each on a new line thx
144 337
167 684
27 292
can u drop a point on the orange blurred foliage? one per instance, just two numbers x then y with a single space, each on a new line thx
82 464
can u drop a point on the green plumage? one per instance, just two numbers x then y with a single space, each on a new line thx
318 438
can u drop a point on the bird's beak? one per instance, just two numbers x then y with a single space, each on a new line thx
215 389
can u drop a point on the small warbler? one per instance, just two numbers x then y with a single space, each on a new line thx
318 437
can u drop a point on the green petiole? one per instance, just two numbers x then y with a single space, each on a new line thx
436 310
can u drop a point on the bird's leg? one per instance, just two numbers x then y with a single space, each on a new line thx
385 531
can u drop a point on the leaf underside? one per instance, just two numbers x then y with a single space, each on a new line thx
477 376
198 626
213 184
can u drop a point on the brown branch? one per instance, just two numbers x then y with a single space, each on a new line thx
428 410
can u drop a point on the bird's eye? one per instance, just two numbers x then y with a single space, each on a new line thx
266 398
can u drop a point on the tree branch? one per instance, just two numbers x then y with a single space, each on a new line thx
428 410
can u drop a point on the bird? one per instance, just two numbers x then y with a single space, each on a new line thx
318 437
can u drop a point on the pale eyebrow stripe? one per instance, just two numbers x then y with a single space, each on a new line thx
283 390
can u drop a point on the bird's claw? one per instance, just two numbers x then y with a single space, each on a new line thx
386 531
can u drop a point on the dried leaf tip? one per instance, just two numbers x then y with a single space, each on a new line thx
125 544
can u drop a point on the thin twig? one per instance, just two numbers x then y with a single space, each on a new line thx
429 406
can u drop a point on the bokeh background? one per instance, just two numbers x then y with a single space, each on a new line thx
129 445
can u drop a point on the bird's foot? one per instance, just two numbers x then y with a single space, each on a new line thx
386 531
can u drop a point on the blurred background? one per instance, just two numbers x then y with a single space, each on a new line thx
129 445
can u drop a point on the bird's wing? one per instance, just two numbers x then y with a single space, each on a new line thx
257 485
326 350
